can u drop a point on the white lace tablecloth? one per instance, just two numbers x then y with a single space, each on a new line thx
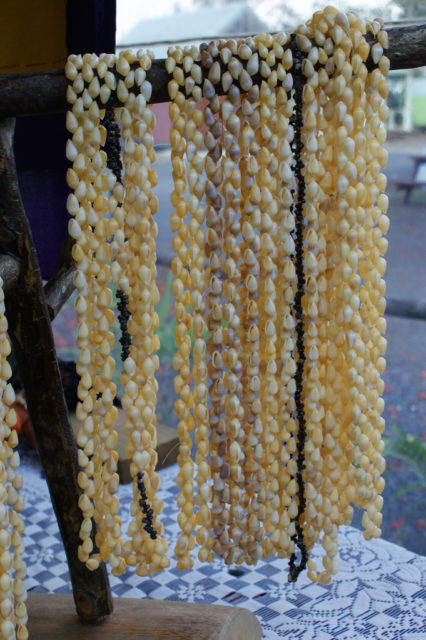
379 592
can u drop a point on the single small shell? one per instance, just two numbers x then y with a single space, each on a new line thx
146 90
122 91
104 93
214 73
376 52
74 229
245 80
208 89
196 73
71 95
303 43
70 151
78 84
94 88
227 80
170 64
110 80
70 70
188 61
71 122
383 39
244 51
307 68
225 55
265 69
235 68
102 68
122 66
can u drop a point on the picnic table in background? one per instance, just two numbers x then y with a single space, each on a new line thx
417 179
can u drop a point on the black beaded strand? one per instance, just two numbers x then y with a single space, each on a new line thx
112 146
123 317
146 509
298 212
114 163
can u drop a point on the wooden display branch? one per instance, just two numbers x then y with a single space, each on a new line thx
31 335
61 284
29 309
52 616
44 92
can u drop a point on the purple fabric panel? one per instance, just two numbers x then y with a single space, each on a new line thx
91 26
40 140
41 163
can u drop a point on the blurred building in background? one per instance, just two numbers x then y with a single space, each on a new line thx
189 27
407 100
193 27
407 95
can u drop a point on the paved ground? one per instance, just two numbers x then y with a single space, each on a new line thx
406 270
406 280
405 377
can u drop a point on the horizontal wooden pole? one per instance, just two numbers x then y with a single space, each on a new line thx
44 91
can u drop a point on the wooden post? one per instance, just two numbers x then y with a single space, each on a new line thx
31 335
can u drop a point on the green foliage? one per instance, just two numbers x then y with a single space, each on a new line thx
407 447
167 323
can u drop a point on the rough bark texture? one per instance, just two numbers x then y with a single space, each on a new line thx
31 335
44 92
9 269
407 46
61 284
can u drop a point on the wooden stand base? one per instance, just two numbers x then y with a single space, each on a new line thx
53 616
